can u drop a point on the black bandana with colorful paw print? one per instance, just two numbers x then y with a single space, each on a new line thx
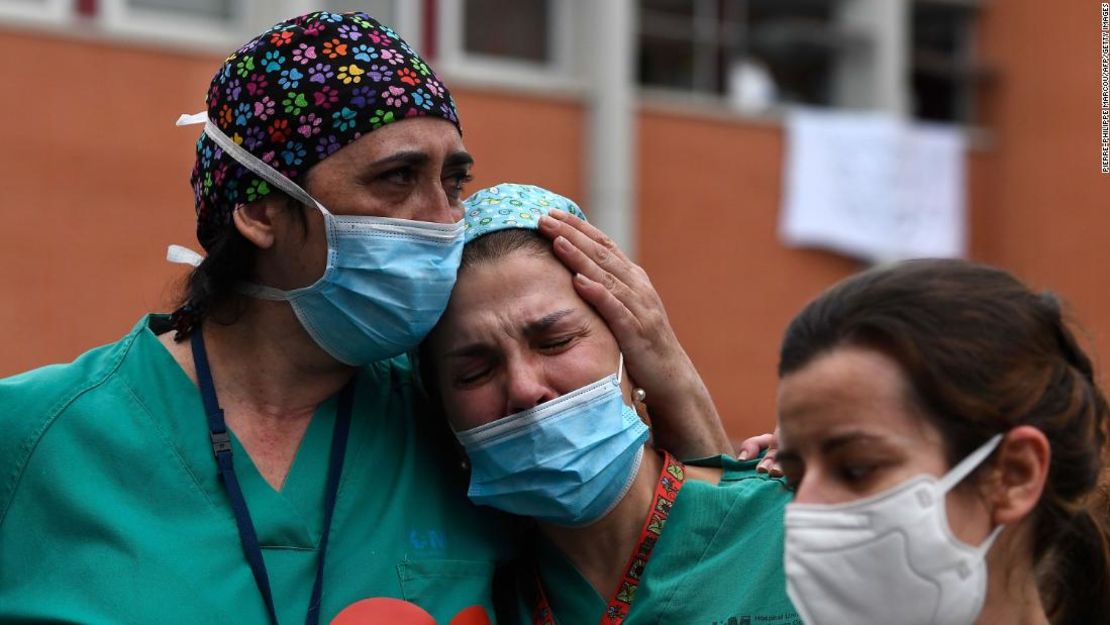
299 92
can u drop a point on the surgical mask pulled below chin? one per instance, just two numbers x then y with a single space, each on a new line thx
568 461
387 281
889 558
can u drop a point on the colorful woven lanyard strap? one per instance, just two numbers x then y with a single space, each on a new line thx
671 479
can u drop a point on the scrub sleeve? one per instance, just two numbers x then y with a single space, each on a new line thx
111 508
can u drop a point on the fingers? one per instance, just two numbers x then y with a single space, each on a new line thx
751 447
620 320
598 253
568 225
577 261
769 465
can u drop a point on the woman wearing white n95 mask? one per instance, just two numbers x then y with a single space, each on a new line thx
536 390
945 438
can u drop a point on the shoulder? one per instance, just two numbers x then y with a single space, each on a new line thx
740 480
31 403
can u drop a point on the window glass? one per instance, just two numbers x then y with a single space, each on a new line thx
944 71
761 53
510 29
666 62
797 44
784 48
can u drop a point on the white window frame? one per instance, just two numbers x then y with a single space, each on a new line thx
407 18
554 76
880 81
119 18
119 21
43 12
250 17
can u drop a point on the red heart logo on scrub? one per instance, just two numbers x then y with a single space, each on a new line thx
386 611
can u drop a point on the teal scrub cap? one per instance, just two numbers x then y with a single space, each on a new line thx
507 206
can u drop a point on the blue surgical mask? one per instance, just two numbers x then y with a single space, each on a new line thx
387 281
568 461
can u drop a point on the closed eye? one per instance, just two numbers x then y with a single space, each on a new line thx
473 376
556 344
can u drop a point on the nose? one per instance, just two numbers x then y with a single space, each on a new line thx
805 493
526 387
434 205
815 488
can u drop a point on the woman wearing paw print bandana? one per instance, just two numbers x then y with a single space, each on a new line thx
255 457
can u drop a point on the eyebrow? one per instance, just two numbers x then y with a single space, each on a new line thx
531 328
411 158
832 444
458 158
544 323
469 350
415 158
829 445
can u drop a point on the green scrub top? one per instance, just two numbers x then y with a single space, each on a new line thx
718 561
112 510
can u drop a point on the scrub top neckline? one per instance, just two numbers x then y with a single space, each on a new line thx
291 518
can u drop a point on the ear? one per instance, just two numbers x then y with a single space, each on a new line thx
255 221
1020 469
628 390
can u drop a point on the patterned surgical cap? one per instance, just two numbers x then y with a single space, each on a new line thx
508 206
299 92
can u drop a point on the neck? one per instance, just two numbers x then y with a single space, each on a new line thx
269 377
1012 593
600 551
267 363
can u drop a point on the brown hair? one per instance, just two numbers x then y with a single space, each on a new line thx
501 243
984 354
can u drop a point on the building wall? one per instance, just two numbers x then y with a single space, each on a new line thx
95 183
1045 211
94 188
1038 207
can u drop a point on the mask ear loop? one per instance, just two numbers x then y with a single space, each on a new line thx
969 464
267 173
250 161
179 254
962 470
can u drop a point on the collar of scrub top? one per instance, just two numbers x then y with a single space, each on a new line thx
221 448
672 477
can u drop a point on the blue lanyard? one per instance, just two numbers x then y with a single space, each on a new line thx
221 447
